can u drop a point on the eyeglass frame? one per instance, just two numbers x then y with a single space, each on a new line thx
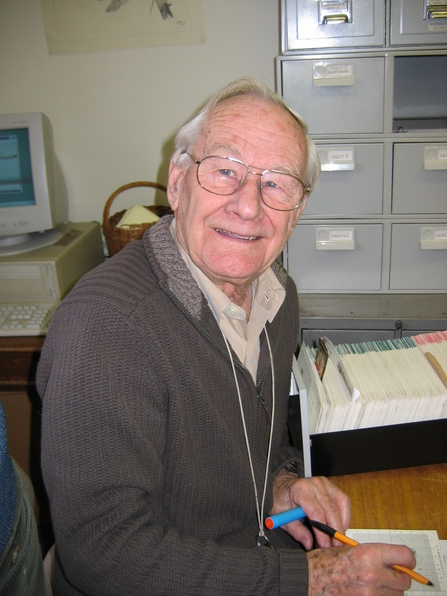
306 189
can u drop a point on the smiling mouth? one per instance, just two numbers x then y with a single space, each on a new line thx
232 235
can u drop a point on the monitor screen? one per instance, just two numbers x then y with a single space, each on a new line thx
16 179
32 195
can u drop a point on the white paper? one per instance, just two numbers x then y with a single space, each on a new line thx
429 556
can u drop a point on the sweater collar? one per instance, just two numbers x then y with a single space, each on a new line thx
170 268
172 271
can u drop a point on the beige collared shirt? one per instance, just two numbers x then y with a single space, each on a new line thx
267 296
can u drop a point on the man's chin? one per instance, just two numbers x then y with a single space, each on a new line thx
239 270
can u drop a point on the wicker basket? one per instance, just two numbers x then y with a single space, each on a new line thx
117 238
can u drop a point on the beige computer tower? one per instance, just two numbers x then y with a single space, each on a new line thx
47 274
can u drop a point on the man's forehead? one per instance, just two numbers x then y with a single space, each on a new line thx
248 107
240 122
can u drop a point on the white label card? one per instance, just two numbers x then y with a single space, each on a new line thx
440 235
436 27
336 7
339 70
442 153
341 235
342 155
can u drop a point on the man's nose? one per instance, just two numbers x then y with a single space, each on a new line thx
247 200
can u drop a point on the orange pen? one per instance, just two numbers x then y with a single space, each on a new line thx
350 542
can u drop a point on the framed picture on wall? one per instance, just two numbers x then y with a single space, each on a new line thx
81 26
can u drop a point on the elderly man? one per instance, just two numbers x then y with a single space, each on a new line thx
165 380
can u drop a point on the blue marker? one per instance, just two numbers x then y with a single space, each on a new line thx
281 519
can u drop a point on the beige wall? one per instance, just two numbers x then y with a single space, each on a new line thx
114 114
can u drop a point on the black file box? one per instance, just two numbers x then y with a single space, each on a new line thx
367 449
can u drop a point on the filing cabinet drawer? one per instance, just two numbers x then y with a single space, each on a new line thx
351 180
419 257
420 178
345 257
330 24
418 22
420 92
336 95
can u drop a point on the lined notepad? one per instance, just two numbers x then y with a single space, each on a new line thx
394 381
429 557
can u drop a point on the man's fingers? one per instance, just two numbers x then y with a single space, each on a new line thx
325 502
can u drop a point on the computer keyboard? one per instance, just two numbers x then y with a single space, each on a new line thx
25 319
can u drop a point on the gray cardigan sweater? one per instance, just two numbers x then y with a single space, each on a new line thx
143 451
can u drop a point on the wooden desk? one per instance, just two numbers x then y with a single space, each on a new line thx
405 499
18 362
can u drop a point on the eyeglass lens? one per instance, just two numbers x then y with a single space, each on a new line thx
223 176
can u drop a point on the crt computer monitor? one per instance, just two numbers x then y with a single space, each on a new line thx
32 197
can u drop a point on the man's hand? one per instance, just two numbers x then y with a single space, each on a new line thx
320 499
364 569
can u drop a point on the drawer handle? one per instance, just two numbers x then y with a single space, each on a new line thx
334 12
335 19
335 239
433 238
437 11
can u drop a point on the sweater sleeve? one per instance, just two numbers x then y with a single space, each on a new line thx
104 433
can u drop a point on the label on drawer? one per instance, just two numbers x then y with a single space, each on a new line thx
435 158
434 27
433 238
335 158
341 235
335 238
343 155
332 75
339 70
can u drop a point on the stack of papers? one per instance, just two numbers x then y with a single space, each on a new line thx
377 383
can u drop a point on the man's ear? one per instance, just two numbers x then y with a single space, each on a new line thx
300 210
175 180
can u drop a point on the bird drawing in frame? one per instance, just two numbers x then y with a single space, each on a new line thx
163 7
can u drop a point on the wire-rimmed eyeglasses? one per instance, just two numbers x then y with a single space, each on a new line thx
225 175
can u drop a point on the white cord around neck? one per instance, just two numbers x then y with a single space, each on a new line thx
259 510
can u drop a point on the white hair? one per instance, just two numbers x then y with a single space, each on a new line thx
187 136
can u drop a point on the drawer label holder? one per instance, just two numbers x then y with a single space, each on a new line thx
335 238
433 238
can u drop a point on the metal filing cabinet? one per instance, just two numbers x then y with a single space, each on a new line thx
418 257
420 178
352 318
349 171
344 257
331 93
370 79
309 24
416 22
